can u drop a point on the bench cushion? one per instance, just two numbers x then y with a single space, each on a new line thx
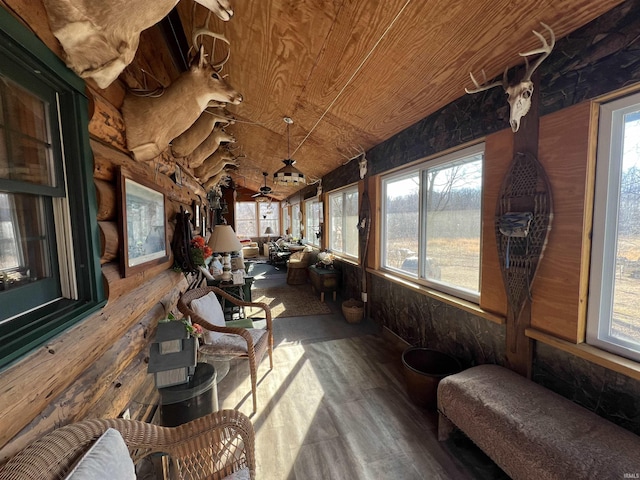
108 458
532 432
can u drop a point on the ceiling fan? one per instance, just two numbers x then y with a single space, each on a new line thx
262 196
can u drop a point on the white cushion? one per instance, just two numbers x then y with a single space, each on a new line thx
242 474
209 308
108 458
231 344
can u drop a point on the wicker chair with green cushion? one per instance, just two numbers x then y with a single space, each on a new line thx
202 306
217 446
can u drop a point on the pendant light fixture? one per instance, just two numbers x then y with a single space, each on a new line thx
288 175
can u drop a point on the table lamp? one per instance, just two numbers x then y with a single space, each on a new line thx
268 232
224 240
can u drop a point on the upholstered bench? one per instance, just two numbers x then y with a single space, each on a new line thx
532 432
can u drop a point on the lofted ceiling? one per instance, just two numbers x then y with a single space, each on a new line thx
352 73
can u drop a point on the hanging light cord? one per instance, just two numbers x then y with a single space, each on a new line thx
353 75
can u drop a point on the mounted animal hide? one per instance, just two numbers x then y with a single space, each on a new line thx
209 147
214 164
100 38
198 132
152 122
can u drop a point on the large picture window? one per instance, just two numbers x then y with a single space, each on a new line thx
431 222
613 317
49 262
253 218
343 221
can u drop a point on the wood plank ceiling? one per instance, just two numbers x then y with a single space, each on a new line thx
355 72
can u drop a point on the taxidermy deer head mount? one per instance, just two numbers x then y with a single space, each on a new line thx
152 122
209 146
214 164
100 38
519 94
199 131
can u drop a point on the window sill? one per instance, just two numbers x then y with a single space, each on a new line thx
345 260
443 297
590 353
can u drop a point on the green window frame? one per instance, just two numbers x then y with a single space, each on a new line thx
34 313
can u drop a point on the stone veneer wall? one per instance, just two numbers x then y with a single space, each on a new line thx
611 395
426 322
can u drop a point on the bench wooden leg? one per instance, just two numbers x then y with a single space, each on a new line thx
445 427
322 296
334 295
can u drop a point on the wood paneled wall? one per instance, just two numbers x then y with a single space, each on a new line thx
498 155
559 290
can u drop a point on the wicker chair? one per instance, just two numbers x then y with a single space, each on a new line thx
211 447
244 346
297 268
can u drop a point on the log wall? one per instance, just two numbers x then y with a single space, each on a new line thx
98 366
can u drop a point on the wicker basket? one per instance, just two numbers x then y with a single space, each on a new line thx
353 310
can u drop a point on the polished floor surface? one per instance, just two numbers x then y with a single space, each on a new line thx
335 407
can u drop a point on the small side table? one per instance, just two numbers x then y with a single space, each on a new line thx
182 403
242 291
324 280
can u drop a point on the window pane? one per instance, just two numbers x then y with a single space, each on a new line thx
335 222
24 242
625 324
402 223
29 157
296 219
246 221
286 220
269 217
343 221
350 223
453 216
313 214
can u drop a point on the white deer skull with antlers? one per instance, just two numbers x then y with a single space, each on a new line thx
359 154
519 94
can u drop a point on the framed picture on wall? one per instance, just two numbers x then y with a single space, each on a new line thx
204 220
196 219
143 224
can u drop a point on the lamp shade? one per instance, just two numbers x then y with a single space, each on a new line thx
223 239
268 231
289 175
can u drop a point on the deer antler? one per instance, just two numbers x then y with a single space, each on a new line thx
205 31
486 86
545 49
353 152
